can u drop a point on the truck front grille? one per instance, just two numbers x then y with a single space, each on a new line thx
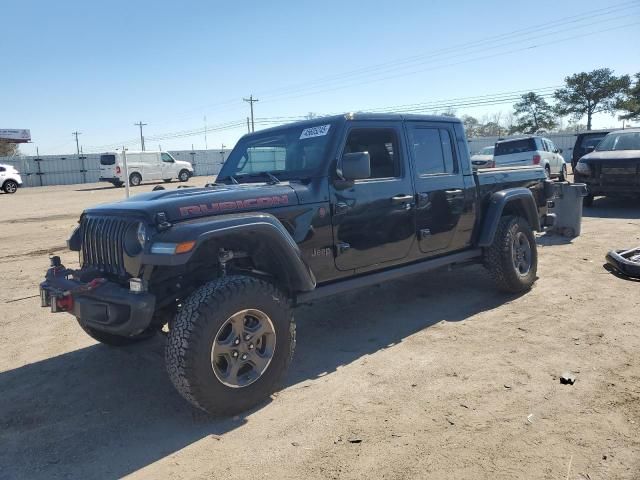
103 243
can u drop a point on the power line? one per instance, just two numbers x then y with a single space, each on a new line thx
140 124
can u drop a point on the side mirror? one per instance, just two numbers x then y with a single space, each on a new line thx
558 150
355 166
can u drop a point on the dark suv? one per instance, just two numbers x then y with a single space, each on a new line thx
585 143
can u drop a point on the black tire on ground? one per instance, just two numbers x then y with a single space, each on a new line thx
166 180
135 179
512 268
117 184
588 200
564 177
203 323
115 340
183 176
10 186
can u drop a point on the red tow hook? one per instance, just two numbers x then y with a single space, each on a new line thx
62 304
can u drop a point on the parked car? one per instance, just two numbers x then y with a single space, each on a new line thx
484 158
613 168
585 143
531 150
143 166
347 201
10 178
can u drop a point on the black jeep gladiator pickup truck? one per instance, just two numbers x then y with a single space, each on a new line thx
297 212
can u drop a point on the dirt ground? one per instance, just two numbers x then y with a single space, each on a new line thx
435 376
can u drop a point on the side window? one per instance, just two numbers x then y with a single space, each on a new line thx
552 147
543 142
382 145
167 158
2 169
432 151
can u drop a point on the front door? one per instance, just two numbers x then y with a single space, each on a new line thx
373 219
441 194
168 166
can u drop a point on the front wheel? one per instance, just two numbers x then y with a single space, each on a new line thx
230 344
183 176
10 186
512 258
135 179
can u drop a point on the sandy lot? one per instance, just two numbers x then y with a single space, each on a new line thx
437 376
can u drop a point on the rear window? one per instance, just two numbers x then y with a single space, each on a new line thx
515 146
107 159
591 141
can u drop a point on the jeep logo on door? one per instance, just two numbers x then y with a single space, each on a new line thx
216 207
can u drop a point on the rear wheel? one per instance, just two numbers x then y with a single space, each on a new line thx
230 344
10 186
167 180
183 176
135 179
563 174
512 258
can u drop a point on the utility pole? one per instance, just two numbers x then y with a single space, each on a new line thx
222 153
75 134
248 126
251 101
140 124
206 147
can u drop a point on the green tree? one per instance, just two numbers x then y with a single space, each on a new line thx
471 125
593 92
533 113
8 149
631 102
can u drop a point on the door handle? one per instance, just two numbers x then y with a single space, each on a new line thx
453 192
398 199
340 208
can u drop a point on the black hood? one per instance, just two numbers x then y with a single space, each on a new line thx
605 156
186 203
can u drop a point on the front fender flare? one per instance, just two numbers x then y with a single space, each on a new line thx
499 200
262 226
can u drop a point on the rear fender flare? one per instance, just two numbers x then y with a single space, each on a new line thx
521 198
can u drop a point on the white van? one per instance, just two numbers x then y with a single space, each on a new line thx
143 166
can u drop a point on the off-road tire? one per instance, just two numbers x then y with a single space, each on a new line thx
183 176
135 179
498 257
10 186
115 340
588 200
191 336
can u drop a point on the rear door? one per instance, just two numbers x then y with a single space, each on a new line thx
441 194
373 219
108 165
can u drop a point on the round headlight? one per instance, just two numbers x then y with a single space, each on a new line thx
135 238
142 234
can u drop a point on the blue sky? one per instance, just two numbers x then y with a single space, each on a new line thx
98 67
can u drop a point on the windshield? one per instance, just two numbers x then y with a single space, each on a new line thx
290 152
486 151
620 141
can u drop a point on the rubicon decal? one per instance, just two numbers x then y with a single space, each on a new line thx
209 208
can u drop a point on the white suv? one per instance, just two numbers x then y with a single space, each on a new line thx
520 151
10 178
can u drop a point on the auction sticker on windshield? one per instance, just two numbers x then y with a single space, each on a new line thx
311 132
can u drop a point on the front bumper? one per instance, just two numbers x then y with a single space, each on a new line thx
99 304
599 186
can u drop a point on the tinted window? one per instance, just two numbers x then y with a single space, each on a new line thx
107 159
515 146
382 145
2 169
591 141
432 150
